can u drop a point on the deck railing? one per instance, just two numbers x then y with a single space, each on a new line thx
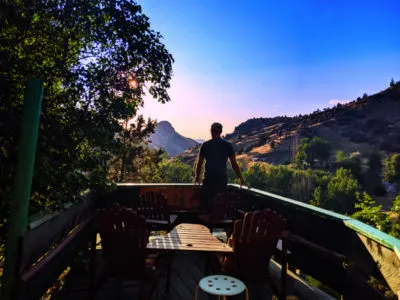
337 250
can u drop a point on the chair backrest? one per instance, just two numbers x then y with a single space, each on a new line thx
223 206
254 240
124 237
153 206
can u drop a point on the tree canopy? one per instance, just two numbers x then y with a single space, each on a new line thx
392 168
97 60
311 150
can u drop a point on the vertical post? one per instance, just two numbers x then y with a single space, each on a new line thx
284 267
22 185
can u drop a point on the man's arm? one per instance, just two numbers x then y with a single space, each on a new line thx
236 168
200 160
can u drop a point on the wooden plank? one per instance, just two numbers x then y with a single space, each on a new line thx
40 239
386 260
36 280
194 247
190 240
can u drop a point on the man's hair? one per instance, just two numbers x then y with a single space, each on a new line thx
216 127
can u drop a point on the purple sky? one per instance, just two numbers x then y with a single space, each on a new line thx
237 60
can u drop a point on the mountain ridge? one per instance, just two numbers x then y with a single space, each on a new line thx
165 137
367 124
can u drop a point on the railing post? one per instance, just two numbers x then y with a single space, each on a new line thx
22 185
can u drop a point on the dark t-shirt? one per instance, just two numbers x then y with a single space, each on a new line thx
216 153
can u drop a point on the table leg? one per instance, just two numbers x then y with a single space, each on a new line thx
247 294
207 266
169 267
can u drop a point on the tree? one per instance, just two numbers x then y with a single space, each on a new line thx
372 179
370 213
175 171
262 139
353 164
132 138
340 156
97 60
339 194
396 204
392 83
392 168
257 176
365 96
316 149
301 155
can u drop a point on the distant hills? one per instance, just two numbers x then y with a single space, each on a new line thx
165 137
367 124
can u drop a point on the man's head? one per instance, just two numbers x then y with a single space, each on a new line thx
216 130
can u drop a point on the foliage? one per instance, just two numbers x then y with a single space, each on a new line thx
339 194
175 171
97 59
392 168
370 213
285 180
272 144
262 139
340 156
392 83
396 204
257 176
351 163
372 178
382 287
311 150
133 139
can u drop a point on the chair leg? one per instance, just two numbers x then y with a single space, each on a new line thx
196 293
284 269
92 268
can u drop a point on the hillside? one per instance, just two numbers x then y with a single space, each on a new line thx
368 124
167 138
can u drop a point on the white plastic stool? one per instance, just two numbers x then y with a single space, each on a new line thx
221 285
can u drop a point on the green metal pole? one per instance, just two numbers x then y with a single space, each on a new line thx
22 185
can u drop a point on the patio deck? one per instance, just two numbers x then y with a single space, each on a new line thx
186 271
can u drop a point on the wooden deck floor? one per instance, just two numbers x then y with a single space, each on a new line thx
186 271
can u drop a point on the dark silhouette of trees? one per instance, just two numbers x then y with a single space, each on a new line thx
97 59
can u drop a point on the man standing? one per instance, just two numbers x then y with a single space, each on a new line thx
216 153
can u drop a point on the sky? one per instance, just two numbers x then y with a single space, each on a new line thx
235 60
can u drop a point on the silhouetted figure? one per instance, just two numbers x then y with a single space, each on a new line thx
216 153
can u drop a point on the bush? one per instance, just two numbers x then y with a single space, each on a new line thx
370 213
396 204
339 194
392 168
